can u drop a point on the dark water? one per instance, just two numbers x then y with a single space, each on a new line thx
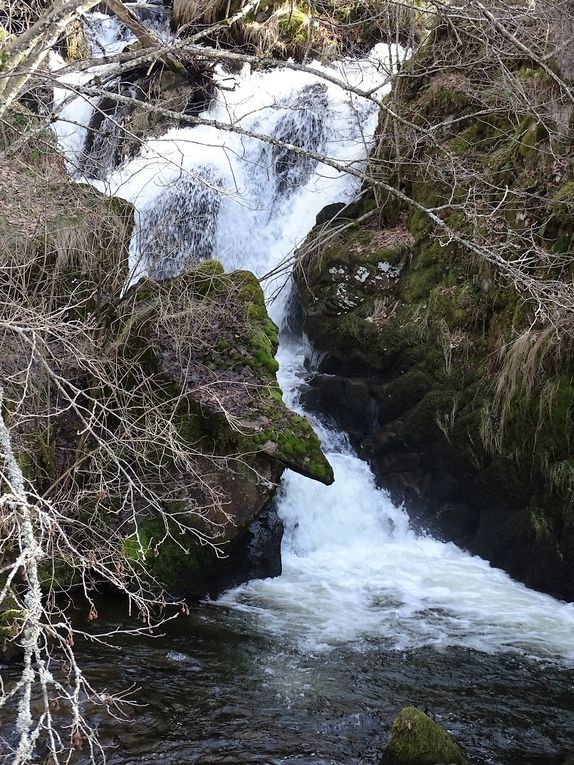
217 691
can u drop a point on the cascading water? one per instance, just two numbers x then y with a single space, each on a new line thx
354 573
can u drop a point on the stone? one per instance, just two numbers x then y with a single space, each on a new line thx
417 739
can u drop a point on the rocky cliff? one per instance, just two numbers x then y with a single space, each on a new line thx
443 312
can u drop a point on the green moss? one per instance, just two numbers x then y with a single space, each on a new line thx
530 139
209 278
294 24
170 556
223 345
11 621
421 425
420 281
416 739
136 546
466 141
262 353
402 393
293 441
562 203
443 101
419 224
456 306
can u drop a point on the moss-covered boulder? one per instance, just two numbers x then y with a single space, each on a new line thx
149 419
416 739
204 345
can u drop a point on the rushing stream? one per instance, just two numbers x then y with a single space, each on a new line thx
367 616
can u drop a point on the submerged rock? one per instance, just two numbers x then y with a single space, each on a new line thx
416 739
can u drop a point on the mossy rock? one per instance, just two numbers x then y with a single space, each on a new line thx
231 384
416 739
562 204
170 556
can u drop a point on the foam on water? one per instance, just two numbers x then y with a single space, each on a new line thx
353 570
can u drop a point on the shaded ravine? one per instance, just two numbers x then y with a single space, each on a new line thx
367 615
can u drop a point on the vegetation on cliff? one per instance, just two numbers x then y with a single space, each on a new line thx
456 290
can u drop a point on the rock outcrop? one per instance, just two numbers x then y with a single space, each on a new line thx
150 418
279 29
448 336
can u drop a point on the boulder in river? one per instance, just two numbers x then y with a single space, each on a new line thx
416 739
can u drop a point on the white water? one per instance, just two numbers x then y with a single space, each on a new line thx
353 571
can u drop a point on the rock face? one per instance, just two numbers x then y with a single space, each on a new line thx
151 420
297 30
157 97
416 739
450 373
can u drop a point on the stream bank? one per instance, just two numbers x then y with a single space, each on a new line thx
451 368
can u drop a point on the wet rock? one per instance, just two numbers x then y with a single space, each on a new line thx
118 129
349 397
338 212
416 739
430 344
254 553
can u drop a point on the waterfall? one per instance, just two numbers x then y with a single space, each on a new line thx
353 569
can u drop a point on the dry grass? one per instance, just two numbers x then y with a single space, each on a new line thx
205 12
522 367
